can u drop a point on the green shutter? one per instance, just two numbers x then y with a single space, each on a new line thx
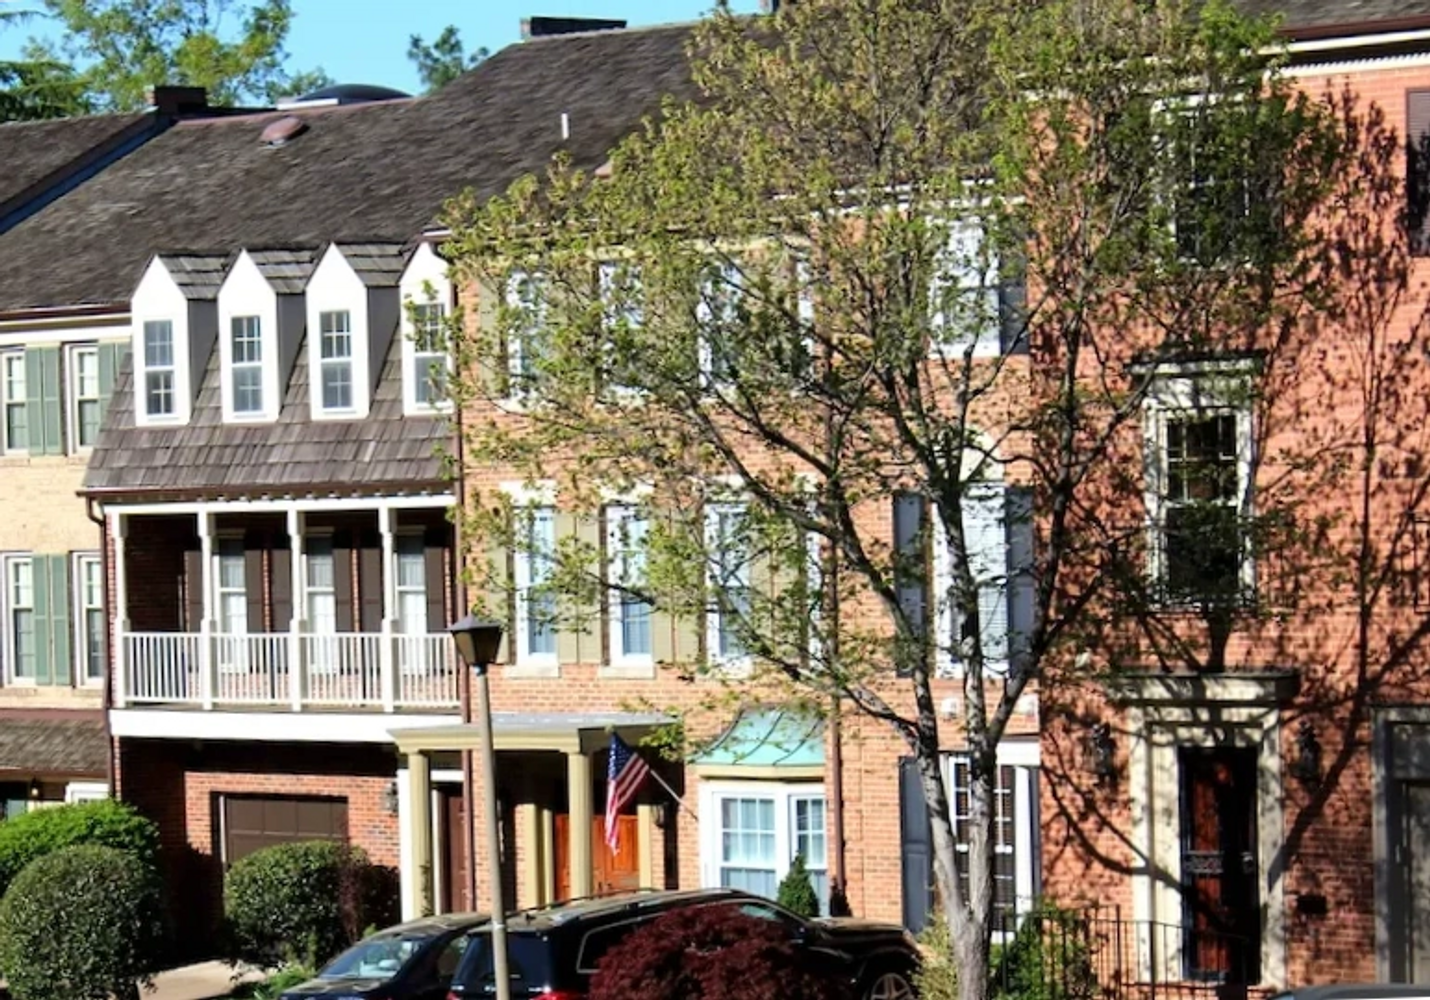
40 578
43 401
111 356
34 400
60 600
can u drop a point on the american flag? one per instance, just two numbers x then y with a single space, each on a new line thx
625 774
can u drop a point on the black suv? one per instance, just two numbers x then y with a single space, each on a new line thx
553 951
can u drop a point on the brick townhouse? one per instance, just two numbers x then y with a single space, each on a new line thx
1262 823
57 365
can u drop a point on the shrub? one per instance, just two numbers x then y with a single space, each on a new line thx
937 977
105 823
1049 958
82 923
709 953
301 902
796 892
272 987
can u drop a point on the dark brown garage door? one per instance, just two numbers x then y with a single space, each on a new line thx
251 822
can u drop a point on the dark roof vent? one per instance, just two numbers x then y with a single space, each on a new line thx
542 27
282 131
345 93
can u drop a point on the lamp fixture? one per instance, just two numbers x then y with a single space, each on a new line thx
1102 754
389 798
1306 768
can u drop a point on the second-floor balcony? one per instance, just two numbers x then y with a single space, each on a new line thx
387 671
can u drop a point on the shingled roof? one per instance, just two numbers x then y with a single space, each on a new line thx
53 742
38 156
1308 16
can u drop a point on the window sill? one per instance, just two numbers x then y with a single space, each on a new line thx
635 670
532 670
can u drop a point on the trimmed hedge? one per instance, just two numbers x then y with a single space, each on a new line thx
104 823
711 953
82 923
302 902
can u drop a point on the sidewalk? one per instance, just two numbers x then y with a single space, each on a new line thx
194 982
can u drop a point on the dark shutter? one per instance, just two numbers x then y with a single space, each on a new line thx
915 847
253 583
282 588
434 566
1021 591
604 569
910 560
193 590
1417 169
343 579
370 588
1013 305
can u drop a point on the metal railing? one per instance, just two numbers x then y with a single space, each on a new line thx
366 670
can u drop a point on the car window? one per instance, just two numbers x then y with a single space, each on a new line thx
601 940
528 964
450 957
378 957
764 911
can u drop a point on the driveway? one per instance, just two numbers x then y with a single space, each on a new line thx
195 982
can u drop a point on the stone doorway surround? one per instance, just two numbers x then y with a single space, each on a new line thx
1165 712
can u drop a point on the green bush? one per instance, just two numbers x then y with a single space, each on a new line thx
105 823
271 987
300 903
796 892
82 923
1049 958
937 977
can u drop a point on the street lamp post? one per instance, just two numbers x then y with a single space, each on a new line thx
477 643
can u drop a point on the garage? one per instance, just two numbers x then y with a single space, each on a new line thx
253 822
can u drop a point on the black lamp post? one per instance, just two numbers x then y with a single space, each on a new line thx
477 641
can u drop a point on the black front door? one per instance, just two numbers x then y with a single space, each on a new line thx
1221 923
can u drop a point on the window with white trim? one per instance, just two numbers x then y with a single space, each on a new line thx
720 311
335 364
231 592
965 295
246 364
751 832
89 617
728 580
160 372
411 579
526 301
16 433
535 606
621 292
321 595
430 362
630 615
84 396
985 532
1198 434
21 634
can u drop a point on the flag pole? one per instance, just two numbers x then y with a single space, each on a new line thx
671 791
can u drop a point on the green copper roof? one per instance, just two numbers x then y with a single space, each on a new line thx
769 737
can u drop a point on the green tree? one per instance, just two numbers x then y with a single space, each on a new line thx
445 59
233 48
796 892
36 88
936 266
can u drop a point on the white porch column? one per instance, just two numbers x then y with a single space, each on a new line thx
582 814
208 627
387 646
118 528
418 821
297 660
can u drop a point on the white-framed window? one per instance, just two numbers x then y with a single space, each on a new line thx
21 627
13 396
630 615
1199 498
160 371
246 365
964 295
335 364
321 597
526 301
1015 860
86 791
89 621
751 831
728 580
619 286
719 313
410 554
84 396
985 532
535 607
231 596
430 361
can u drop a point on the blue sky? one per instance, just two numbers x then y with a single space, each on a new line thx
365 41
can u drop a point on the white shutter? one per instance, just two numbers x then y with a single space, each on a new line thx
965 296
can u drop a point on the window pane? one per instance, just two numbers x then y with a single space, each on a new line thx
320 567
230 570
411 566
337 385
159 393
17 427
158 344
94 643
248 390
246 340
86 373
540 605
431 379
635 626
88 420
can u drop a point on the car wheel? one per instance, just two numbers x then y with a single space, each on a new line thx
889 984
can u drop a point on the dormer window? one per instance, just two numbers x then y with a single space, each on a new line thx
426 296
429 356
246 364
159 368
336 360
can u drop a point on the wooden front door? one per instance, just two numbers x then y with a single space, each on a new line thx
1220 895
610 871
453 890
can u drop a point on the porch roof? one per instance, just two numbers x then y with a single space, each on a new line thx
566 732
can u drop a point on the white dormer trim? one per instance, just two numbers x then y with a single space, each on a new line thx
246 297
334 290
425 282
159 300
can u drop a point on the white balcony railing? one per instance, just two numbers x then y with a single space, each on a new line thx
365 670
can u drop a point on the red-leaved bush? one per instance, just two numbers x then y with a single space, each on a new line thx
710 953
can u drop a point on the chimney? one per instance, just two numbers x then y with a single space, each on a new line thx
542 27
178 100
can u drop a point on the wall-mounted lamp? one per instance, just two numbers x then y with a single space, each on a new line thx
389 797
661 814
1306 768
1102 754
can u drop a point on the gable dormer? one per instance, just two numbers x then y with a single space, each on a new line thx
427 301
352 314
260 322
174 318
